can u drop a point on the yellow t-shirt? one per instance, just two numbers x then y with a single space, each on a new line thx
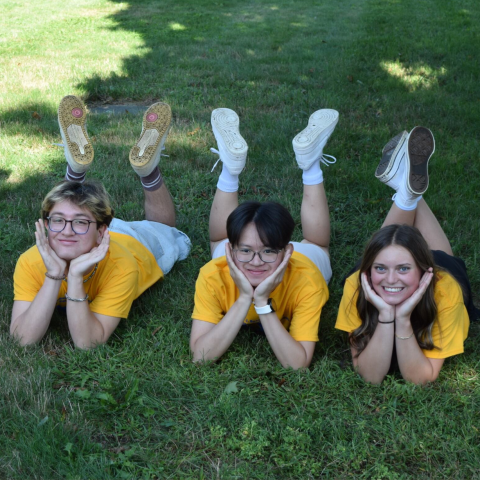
298 300
450 328
125 273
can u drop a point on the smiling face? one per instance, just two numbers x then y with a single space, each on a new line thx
256 270
394 274
67 244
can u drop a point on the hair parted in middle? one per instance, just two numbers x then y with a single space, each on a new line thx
273 222
425 313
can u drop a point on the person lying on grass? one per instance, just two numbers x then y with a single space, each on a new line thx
408 305
93 265
257 278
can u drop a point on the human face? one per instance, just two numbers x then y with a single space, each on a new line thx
256 270
67 244
395 275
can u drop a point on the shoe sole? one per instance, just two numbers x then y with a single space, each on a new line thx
155 127
225 124
72 117
318 122
391 161
421 145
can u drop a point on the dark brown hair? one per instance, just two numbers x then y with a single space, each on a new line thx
273 222
425 313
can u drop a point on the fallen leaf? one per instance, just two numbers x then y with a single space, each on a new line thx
36 115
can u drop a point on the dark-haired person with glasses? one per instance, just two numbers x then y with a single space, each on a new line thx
85 261
258 277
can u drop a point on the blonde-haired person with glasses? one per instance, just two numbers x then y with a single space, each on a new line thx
85 261
257 278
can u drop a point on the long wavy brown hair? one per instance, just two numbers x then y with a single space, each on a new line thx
425 313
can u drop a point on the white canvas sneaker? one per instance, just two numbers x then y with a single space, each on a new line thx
232 147
72 120
390 168
145 155
421 145
309 143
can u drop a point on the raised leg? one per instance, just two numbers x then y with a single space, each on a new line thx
431 230
315 216
224 203
159 206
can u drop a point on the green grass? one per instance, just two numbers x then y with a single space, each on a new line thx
138 407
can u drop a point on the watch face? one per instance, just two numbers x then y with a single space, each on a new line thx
270 302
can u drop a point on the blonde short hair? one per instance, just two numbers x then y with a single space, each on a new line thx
90 195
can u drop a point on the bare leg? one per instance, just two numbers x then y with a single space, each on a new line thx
224 203
431 230
159 206
402 217
315 216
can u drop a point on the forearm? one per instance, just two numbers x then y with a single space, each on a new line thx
85 328
414 366
213 344
288 351
374 361
31 325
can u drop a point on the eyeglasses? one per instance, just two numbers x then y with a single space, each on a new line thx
79 226
246 255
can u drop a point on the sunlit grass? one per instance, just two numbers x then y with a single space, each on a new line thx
415 77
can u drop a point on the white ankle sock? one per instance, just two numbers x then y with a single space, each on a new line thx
227 182
314 175
406 203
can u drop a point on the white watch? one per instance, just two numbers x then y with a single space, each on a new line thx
265 309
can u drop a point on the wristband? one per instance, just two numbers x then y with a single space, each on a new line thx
393 321
76 299
404 338
265 309
53 277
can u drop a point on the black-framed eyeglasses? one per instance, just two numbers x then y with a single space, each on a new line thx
268 255
79 225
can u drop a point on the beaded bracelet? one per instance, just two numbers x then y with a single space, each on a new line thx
404 338
53 277
76 299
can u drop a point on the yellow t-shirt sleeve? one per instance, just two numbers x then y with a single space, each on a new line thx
451 328
116 295
348 319
208 307
306 316
27 280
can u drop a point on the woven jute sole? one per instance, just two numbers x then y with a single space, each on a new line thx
72 117
421 145
390 161
155 127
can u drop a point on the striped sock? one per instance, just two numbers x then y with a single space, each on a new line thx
72 176
153 181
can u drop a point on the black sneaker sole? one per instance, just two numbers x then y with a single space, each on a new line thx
421 145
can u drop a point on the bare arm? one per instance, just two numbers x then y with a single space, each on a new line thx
414 365
88 329
30 320
209 341
288 351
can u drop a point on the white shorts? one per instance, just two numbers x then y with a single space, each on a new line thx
313 252
167 244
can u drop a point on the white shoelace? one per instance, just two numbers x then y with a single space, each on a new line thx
214 150
327 162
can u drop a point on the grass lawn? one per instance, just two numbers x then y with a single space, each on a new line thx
137 407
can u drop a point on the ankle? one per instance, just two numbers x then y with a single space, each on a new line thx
227 182
314 175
